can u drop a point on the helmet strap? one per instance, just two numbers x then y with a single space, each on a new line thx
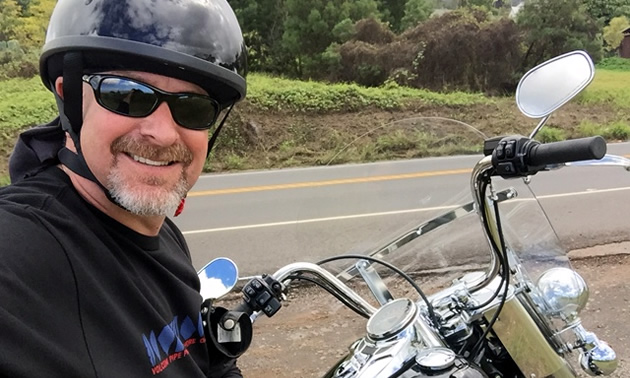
71 114
71 117
215 134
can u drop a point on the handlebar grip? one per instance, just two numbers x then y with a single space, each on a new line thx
567 151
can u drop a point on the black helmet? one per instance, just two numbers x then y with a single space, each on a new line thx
199 41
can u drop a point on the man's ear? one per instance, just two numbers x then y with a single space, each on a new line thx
59 86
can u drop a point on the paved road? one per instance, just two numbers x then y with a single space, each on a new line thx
305 214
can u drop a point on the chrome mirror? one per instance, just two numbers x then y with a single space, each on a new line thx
217 278
553 83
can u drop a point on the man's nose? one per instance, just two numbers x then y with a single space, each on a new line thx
160 127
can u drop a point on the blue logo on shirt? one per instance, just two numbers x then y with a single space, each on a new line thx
171 343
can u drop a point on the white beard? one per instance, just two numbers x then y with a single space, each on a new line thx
137 199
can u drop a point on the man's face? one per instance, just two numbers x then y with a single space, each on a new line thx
148 164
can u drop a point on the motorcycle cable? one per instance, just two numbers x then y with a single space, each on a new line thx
502 262
506 273
331 292
432 315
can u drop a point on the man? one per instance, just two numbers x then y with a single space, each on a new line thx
95 280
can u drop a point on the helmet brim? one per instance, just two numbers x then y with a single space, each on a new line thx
106 53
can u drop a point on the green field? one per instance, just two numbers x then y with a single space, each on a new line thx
609 87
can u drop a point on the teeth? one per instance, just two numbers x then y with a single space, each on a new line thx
142 160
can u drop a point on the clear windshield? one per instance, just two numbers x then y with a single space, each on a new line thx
415 211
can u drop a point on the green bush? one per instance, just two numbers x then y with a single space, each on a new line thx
614 131
17 61
588 128
309 96
619 131
614 63
460 50
550 134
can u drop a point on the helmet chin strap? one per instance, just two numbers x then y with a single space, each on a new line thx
215 134
71 117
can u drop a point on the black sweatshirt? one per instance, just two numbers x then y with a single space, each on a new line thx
81 295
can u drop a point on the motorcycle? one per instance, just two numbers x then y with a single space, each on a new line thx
513 312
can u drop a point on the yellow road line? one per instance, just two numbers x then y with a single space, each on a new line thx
311 184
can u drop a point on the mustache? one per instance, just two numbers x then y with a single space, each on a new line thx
175 153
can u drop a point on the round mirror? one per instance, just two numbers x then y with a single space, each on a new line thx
217 278
552 84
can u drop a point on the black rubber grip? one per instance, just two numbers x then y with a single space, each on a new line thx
244 307
567 151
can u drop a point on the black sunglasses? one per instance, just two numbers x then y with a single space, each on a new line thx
132 98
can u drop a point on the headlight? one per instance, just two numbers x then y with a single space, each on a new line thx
564 291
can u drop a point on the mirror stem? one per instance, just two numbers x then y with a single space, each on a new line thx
540 125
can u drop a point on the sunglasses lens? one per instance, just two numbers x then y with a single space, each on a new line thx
130 98
127 97
194 112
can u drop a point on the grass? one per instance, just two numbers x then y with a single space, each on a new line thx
614 63
276 93
23 103
550 134
608 87
613 131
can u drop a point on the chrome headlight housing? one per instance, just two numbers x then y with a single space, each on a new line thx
565 292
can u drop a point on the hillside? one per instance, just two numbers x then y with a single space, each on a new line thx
285 123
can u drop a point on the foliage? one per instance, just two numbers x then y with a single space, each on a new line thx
262 23
25 102
550 134
614 63
282 94
22 31
459 50
615 131
606 10
10 22
25 21
308 25
554 27
608 87
613 33
16 61
416 11
392 12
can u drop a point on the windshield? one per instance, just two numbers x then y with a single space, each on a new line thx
417 213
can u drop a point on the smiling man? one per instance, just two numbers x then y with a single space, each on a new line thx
95 279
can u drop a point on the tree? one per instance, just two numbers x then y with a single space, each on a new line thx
553 27
262 23
416 11
33 28
393 11
475 3
10 21
613 33
606 10
308 29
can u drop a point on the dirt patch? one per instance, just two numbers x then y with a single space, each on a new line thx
283 139
305 339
